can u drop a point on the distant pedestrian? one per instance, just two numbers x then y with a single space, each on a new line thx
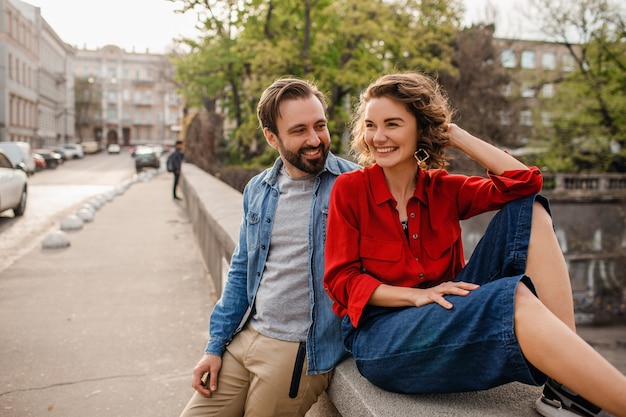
174 162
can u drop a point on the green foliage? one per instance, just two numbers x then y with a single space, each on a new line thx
340 45
589 112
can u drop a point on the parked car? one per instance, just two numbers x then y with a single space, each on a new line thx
40 162
158 148
20 155
73 150
90 147
52 158
145 157
114 148
61 153
13 187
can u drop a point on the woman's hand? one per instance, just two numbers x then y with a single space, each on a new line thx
453 134
436 294
392 296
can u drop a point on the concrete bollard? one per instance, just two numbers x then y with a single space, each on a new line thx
56 239
71 222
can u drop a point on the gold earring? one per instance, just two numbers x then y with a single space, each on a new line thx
421 156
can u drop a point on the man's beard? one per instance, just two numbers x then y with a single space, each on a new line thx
310 166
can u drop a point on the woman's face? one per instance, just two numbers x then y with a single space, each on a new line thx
391 133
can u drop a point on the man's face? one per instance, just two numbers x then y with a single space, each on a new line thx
303 140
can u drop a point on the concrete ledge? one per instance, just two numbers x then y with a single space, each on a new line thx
215 211
353 396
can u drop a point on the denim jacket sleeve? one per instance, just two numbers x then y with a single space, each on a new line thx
233 305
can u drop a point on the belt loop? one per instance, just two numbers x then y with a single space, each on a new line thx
297 370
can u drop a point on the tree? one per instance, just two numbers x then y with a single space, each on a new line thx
341 45
590 124
476 90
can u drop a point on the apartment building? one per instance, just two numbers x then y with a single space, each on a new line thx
36 89
125 97
52 93
536 69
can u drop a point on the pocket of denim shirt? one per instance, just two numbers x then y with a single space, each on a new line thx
253 229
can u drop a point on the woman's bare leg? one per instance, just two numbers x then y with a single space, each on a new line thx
547 269
556 350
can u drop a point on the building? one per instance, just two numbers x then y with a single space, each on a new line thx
36 86
52 93
55 96
536 69
125 97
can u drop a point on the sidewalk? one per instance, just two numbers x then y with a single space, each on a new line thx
113 324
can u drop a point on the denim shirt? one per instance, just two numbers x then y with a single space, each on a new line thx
324 343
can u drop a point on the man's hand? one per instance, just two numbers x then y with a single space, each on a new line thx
211 365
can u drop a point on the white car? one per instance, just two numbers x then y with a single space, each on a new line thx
114 148
13 187
73 150
20 155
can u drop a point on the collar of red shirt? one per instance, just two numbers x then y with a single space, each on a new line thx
381 191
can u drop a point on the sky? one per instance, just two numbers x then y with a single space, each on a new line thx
138 24
152 24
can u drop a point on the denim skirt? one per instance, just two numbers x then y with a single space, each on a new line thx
472 347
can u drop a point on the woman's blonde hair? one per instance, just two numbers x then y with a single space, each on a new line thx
424 99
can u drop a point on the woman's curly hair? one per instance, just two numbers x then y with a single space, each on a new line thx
424 99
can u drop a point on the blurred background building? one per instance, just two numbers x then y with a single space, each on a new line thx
52 93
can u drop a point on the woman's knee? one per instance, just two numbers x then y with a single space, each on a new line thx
524 296
541 216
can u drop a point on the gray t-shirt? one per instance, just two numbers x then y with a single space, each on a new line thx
282 307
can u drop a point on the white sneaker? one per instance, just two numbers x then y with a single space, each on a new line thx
559 401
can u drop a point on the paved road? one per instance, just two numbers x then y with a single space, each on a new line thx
112 325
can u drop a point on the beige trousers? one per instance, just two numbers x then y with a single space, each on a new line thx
255 381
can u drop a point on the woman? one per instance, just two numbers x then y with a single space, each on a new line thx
416 318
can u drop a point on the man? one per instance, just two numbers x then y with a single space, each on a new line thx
274 339
174 162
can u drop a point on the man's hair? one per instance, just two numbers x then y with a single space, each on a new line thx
178 142
424 99
268 109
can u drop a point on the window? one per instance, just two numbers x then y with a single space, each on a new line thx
528 91
546 119
547 90
525 118
507 59
111 73
505 117
567 62
507 90
528 59
548 61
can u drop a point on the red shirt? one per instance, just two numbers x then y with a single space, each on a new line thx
366 244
